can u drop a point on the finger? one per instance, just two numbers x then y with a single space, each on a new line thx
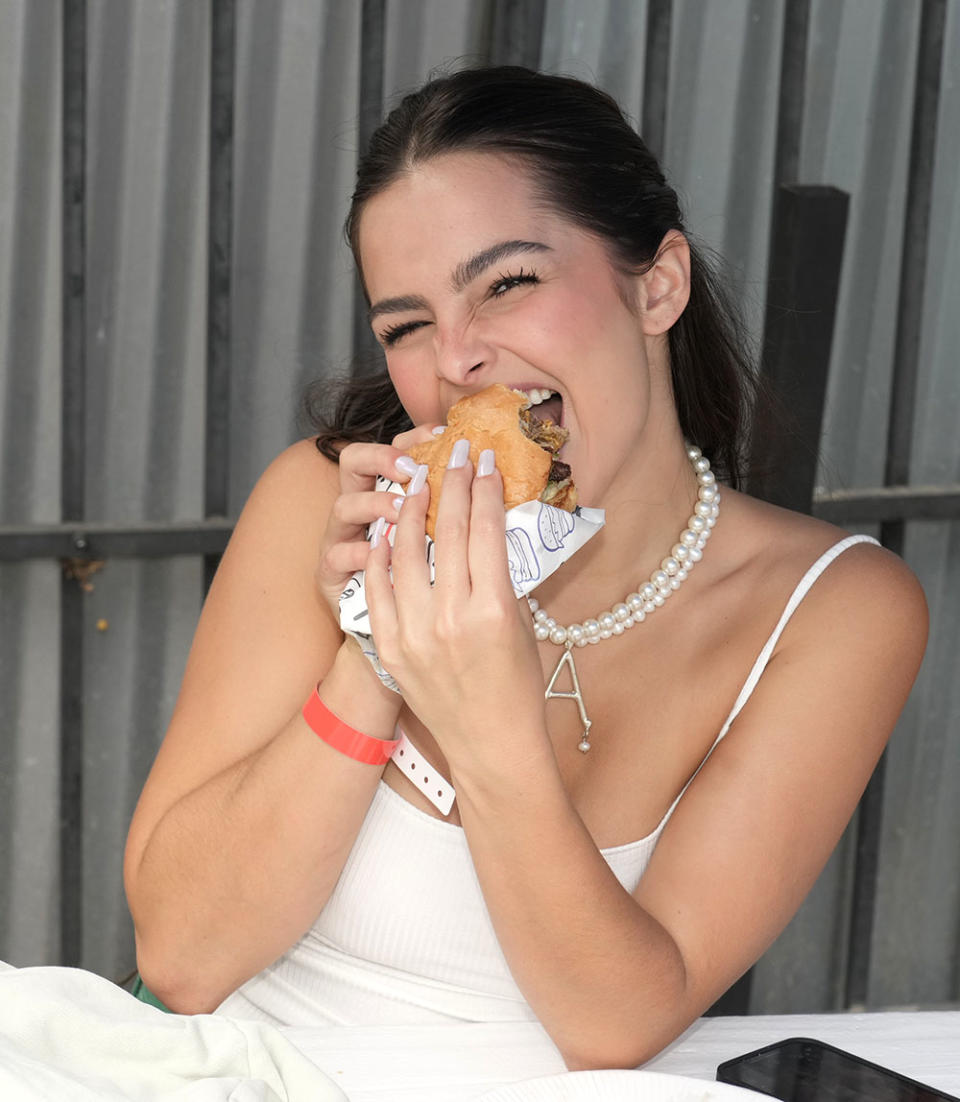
381 602
355 511
360 464
411 574
419 435
342 560
453 525
487 552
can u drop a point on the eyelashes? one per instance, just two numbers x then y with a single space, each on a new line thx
505 282
389 336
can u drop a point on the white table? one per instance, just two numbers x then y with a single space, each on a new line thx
459 1062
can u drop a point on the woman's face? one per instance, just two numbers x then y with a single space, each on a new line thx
472 282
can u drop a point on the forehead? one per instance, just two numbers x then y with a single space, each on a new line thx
456 203
457 179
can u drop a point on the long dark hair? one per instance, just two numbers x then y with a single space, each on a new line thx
589 166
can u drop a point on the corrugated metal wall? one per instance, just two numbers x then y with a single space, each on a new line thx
297 112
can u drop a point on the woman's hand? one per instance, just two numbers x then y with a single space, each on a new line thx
344 547
462 649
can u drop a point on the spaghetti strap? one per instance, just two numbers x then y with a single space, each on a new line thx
803 586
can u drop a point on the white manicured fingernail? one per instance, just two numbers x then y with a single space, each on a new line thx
406 465
398 503
485 463
376 532
439 430
418 481
459 454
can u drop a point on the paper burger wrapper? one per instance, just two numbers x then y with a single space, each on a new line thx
539 539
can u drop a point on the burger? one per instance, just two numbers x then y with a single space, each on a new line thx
525 446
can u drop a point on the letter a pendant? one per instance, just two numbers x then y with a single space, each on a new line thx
566 659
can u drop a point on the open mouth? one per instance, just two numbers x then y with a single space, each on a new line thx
546 405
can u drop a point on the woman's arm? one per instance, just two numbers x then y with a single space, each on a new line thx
247 817
615 977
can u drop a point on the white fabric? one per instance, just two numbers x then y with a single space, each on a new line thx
461 1062
69 1034
405 937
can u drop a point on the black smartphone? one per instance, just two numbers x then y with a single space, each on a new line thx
802 1070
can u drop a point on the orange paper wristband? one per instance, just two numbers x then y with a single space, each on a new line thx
336 733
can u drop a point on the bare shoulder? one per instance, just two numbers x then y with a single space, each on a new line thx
865 591
294 485
855 638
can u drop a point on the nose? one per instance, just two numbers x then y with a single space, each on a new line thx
462 353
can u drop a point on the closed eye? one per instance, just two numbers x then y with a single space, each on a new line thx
393 333
504 283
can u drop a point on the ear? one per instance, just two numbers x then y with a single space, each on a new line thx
664 290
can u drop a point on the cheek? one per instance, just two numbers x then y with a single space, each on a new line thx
415 387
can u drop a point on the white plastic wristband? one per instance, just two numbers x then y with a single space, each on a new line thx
438 790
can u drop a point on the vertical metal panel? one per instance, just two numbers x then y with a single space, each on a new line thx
916 234
721 134
73 465
656 75
861 71
516 32
328 270
223 47
601 41
31 368
372 31
148 150
297 87
793 72
429 38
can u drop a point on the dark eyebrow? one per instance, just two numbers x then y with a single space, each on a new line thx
396 305
468 271
463 274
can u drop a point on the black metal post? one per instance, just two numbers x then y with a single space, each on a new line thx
656 76
804 278
913 263
219 266
72 472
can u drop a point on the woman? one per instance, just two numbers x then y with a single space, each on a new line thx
510 227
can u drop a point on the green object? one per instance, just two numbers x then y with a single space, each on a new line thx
145 995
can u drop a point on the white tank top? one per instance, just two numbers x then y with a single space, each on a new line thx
405 937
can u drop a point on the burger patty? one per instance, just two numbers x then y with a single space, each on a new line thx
549 436
559 489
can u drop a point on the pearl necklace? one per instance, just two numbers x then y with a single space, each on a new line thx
648 597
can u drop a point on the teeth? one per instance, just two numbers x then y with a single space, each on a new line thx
536 395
